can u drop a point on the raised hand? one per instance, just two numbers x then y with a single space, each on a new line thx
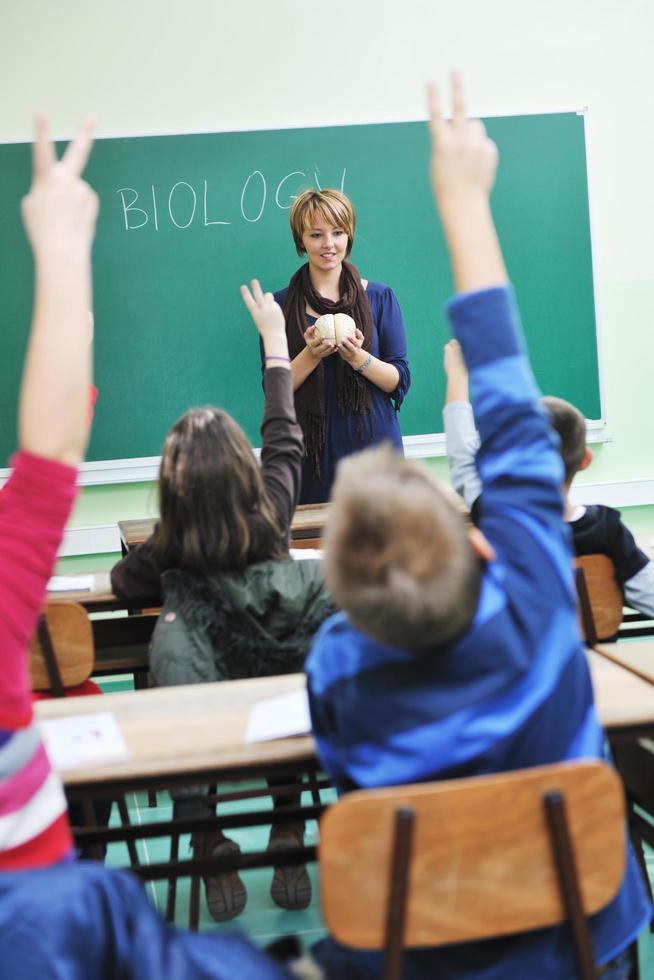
60 210
463 159
463 167
264 310
269 321
59 215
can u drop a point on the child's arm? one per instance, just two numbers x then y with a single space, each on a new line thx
461 438
282 444
639 590
59 215
517 461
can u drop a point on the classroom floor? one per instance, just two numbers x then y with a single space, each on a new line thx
262 921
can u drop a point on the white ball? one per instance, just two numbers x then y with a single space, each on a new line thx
335 327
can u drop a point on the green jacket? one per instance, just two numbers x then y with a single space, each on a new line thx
250 624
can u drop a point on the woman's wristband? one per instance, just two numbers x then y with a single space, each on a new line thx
365 365
277 357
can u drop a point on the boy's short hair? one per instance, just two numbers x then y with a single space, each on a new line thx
571 427
398 559
332 206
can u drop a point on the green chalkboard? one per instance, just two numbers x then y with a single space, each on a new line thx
185 219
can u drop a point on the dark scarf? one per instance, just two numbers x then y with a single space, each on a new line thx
353 393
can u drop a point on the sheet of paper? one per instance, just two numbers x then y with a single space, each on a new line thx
280 717
79 741
71 583
301 553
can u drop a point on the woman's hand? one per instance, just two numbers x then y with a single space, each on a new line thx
318 347
350 349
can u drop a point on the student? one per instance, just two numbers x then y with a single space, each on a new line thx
235 604
457 653
60 917
596 529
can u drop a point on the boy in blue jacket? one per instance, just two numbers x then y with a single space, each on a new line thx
458 653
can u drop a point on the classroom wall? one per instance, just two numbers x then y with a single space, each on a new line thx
144 67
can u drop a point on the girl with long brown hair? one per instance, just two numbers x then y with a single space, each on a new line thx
235 604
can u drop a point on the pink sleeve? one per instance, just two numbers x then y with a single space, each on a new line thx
34 507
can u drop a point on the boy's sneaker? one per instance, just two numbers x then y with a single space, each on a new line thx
291 885
226 893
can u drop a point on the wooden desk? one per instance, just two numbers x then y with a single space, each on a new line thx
307 527
636 656
192 732
625 702
197 730
98 599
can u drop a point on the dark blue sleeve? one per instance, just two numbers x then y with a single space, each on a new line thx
392 341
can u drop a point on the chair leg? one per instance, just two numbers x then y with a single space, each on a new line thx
313 785
194 904
90 820
634 972
171 897
152 798
131 845
398 893
569 884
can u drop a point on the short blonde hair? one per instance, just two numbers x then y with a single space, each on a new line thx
331 205
398 559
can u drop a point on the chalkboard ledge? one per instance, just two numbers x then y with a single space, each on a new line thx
145 469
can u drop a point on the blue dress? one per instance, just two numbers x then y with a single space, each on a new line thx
348 433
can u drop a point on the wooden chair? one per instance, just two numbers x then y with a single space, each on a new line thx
600 598
62 652
470 859
61 662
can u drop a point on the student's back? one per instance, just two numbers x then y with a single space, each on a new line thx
596 529
511 688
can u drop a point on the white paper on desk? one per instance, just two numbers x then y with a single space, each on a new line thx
71 583
280 717
301 553
82 740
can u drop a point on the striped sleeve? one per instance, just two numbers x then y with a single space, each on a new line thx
34 508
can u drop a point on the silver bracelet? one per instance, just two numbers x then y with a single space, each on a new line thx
365 365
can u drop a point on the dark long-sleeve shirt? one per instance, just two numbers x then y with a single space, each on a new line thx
136 576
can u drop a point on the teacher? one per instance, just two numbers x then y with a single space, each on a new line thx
347 395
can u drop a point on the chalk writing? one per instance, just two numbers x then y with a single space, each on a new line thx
182 201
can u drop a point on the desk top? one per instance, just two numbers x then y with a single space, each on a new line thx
97 599
623 700
200 727
308 521
635 655
195 728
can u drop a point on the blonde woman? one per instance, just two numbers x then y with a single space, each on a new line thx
347 394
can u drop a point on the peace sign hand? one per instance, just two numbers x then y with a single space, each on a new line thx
60 210
464 159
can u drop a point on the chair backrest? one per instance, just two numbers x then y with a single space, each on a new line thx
602 603
481 863
71 637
